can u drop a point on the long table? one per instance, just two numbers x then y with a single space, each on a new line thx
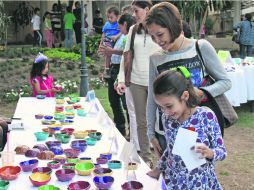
26 109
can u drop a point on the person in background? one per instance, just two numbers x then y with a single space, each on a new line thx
246 43
176 97
3 132
117 101
77 23
110 33
56 24
69 19
98 22
143 48
164 24
127 9
48 29
36 24
42 83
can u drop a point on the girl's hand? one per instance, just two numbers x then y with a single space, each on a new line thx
200 93
105 50
120 88
204 151
155 173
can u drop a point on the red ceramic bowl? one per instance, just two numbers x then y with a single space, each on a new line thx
132 185
68 131
65 174
9 172
39 179
79 185
46 170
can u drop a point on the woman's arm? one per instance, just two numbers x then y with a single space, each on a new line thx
214 67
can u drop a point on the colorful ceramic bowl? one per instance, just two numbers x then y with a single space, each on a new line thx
60 101
50 131
59 108
60 159
54 164
80 134
48 187
59 116
91 131
85 159
53 143
84 168
132 166
101 160
79 185
69 166
69 107
41 147
96 135
48 117
39 116
55 126
32 152
9 172
65 174
28 165
68 131
81 112
64 138
70 152
80 145
103 182
4 185
107 155
132 185
91 141
102 172
48 122
77 106
40 96
72 159
66 122
114 164
57 150
39 179
44 170
41 136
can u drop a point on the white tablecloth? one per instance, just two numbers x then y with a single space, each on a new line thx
242 85
28 107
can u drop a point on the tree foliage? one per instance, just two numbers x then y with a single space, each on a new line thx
5 21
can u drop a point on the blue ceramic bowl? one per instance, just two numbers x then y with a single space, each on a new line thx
103 182
80 147
66 121
57 150
28 165
41 136
106 155
40 96
85 159
48 117
53 143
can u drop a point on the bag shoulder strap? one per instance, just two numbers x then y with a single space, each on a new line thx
134 31
201 57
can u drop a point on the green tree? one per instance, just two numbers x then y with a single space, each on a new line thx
5 21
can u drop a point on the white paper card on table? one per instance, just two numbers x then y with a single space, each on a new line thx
16 125
185 140
90 96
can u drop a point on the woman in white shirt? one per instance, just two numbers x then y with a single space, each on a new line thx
36 22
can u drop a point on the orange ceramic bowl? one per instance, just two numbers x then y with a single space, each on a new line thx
9 172
39 179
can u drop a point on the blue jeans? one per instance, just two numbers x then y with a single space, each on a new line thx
243 50
68 38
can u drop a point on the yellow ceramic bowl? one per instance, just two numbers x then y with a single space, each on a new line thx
39 179
84 168
132 166
60 101
80 134
70 114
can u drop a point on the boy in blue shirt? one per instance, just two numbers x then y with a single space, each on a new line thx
111 32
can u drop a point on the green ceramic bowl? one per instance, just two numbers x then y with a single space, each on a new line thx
84 168
4 184
73 160
64 138
91 141
41 136
48 187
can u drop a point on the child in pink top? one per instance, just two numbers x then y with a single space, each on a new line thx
42 83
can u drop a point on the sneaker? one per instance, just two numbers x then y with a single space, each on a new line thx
106 74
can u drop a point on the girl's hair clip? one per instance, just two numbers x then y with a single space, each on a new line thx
183 70
40 57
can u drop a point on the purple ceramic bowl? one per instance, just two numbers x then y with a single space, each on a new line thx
32 152
79 185
70 152
81 147
41 147
39 116
78 142
65 174
103 182
46 170
107 155
28 165
53 143
102 172
60 159
101 160
58 150
54 164
132 185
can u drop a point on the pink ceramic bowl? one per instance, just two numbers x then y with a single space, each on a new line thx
54 164
68 131
132 185
39 179
9 172
79 185
65 174
70 152
102 172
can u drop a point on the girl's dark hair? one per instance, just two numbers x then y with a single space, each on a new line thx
45 14
248 18
114 10
68 9
170 83
37 69
142 5
36 10
128 19
167 16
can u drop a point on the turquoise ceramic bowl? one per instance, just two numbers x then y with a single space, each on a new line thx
41 136
114 164
90 141
4 185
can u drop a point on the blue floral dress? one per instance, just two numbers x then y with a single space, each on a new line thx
205 123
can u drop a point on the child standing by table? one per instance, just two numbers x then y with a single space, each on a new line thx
42 82
48 29
176 98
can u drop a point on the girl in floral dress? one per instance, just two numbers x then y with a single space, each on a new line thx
175 95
